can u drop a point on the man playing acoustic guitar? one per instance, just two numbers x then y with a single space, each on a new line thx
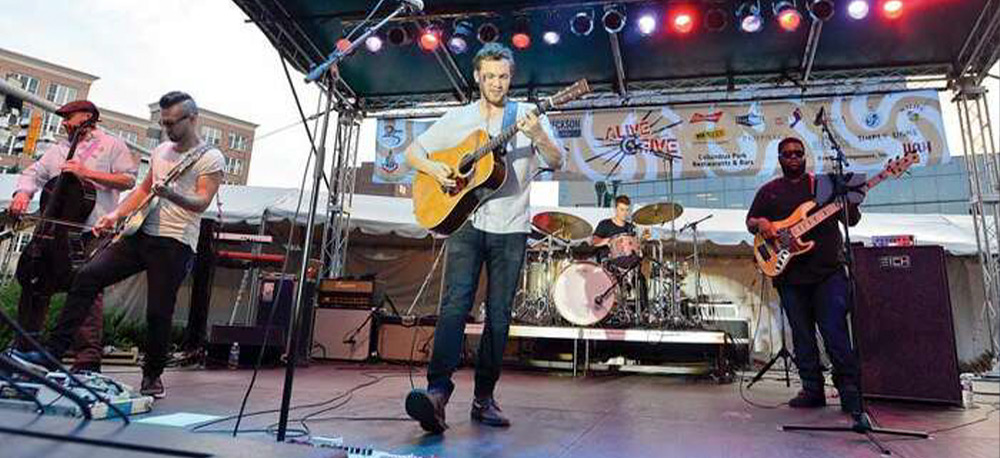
494 236
813 289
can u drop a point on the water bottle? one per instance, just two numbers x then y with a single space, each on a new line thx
234 356
968 396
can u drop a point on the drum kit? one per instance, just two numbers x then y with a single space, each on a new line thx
636 285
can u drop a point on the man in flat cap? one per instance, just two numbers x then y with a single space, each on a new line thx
105 162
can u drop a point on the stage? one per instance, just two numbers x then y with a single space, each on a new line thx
553 414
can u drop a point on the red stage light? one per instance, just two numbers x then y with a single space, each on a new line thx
521 40
343 44
430 39
789 20
682 20
892 9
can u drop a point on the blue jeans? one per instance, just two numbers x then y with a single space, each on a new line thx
824 305
468 250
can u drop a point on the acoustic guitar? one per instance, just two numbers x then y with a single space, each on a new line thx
773 255
479 171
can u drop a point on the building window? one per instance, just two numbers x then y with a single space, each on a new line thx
152 143
28 83
238 142
59 95
234 166
212 135
129 136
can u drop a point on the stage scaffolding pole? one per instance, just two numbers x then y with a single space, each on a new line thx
983 165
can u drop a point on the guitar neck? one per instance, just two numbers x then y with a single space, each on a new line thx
834 208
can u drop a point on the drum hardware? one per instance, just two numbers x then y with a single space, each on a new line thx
693 226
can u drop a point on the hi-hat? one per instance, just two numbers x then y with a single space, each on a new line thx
562 225
657 213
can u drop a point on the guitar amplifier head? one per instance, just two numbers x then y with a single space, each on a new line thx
335 292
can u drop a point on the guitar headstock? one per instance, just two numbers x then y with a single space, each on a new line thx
899 165
569 94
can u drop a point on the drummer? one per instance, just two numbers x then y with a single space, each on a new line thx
610 227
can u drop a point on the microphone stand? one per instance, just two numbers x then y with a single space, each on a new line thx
300 306
861 421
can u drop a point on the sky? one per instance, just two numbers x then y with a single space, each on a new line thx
141 50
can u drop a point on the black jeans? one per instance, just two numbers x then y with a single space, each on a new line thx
166 262
824 305
468 249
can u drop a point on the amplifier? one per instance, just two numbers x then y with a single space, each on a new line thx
343 333
404 341
335 292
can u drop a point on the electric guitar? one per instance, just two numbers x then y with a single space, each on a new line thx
479 172
773 255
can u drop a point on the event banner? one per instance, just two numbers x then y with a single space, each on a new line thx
728 139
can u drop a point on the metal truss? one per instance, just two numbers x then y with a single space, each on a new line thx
710 89
982 47
336 230
983 164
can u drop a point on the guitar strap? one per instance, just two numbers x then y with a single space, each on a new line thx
509 119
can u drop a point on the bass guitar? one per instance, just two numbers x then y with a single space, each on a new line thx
480 171
773 255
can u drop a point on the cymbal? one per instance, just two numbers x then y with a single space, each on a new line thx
562 225
657 213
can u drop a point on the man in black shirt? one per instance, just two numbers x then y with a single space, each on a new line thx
813 288
616 225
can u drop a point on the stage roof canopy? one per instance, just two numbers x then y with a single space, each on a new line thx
931 38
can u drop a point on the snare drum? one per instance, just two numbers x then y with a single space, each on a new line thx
625 251
584 293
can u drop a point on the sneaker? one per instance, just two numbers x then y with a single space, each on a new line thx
488 412
153 386
428 408
807 400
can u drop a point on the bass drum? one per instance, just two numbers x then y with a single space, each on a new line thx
584 293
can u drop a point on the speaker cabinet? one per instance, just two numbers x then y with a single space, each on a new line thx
343 333
405 342
903 325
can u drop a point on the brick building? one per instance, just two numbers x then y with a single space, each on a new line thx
60 84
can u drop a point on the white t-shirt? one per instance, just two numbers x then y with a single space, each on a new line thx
169 219
506 211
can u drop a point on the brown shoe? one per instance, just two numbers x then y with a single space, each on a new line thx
488 412
428 408
152 386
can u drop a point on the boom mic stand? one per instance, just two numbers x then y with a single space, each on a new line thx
862 423
323 74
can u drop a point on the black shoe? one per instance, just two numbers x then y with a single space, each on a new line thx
152 386
850 402
487 412
807 400
428 407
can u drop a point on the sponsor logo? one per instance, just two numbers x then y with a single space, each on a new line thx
750 120
567 127
711 117
872 120
922 147
913 116
711 135
894 262
389 165
896 134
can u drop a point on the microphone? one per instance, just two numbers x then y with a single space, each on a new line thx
820 117
415 5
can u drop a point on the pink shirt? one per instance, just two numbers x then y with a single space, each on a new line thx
99 152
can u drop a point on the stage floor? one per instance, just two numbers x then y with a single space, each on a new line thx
556 415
